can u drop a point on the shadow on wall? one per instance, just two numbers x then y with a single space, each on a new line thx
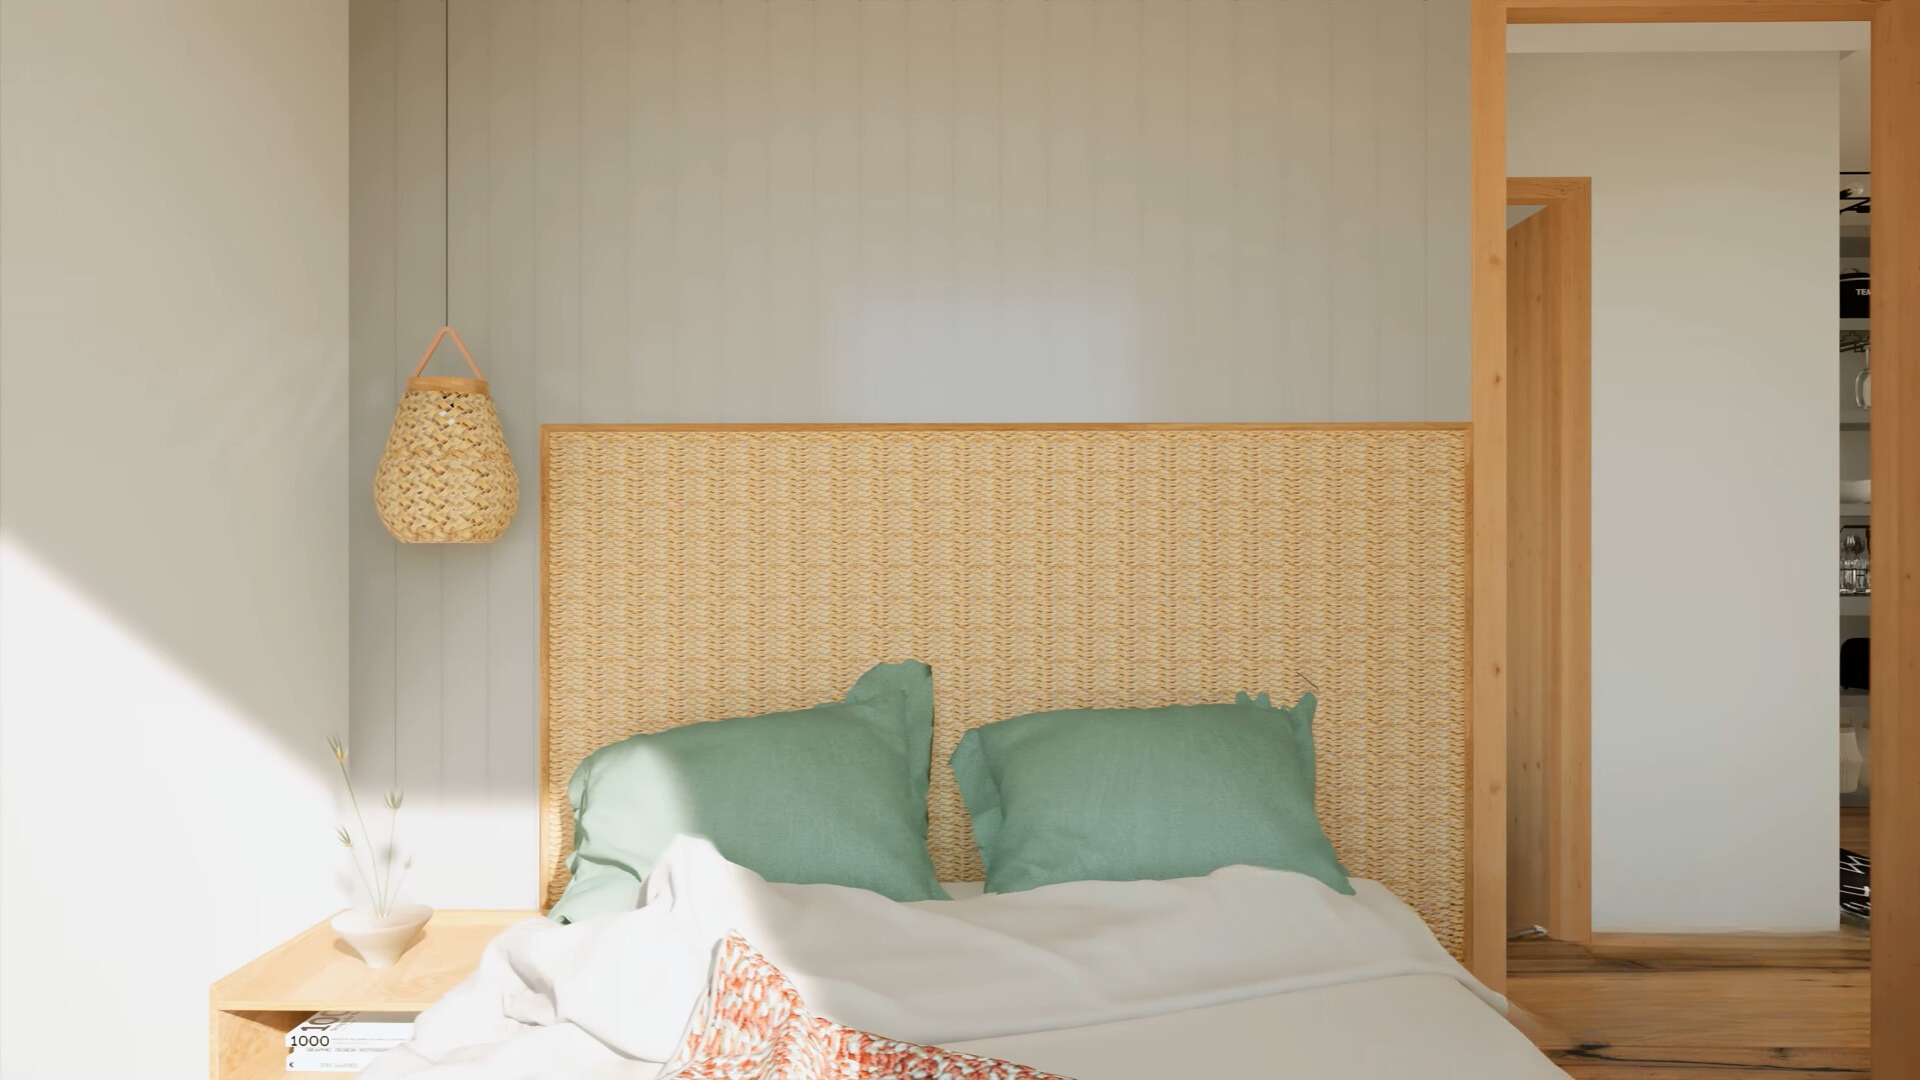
168 499
175 373
172 645
173 547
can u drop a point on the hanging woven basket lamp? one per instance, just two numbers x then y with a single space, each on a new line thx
445 477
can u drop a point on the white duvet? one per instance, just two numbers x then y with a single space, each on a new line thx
609 997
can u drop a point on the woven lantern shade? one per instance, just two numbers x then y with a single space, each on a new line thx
445 477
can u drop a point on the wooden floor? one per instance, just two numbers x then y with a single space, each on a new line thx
1853 830
1654 1007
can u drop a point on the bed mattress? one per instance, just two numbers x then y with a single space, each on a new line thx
1425 1026
1242 973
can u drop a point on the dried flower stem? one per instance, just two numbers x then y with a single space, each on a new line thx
393 825
353 856
375 882
404 869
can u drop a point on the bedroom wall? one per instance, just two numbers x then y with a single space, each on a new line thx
173 505
860 210
1715 804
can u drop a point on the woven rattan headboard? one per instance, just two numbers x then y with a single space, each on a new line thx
690 573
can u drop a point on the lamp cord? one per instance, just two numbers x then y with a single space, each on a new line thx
446 163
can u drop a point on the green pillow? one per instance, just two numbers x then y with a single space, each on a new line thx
835 794
1145 794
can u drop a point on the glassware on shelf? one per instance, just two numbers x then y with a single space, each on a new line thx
1855 565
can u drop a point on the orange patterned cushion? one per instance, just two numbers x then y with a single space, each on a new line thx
753 1026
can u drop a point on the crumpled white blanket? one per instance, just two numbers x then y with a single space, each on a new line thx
610 997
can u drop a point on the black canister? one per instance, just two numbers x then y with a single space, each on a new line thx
1855 294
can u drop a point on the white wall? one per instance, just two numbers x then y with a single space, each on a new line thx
1856 96
173 503
862 210
1714 456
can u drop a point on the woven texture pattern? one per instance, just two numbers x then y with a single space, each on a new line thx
445 477
691 575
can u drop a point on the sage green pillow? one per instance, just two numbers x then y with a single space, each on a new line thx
1145 794
835 794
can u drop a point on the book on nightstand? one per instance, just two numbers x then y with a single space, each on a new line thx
345 1041
334 1061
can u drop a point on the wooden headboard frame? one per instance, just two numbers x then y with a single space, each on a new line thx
695 572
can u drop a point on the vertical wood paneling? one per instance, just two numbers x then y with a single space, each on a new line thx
886 365
420 308
512 591
865 210
836 202
978 268
652 231
1353 219
699 247
606 368
1023 207
1114 276
372 296
1448 210
465 578
1163 207
928 250
793 290
1067 297
744 50
1267 218
1210 205
1400 254
557 224
557 227
1305 192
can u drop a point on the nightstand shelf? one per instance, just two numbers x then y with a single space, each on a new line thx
266 1069
253 1008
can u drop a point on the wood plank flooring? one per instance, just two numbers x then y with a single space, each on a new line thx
1854 830
1689 1007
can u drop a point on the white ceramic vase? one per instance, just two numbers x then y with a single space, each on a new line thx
381 939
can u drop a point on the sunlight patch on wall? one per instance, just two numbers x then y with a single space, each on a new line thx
155 834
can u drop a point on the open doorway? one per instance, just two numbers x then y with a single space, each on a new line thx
1713 660
1895 943
1716 663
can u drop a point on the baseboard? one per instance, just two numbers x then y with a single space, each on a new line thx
1841 947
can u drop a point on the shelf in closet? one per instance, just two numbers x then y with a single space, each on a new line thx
1855 604
1856 324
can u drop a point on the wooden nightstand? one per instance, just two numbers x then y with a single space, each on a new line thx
254 1008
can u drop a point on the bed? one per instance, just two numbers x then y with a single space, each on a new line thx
695 572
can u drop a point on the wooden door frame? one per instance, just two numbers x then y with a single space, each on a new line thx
1895 745
1556 784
